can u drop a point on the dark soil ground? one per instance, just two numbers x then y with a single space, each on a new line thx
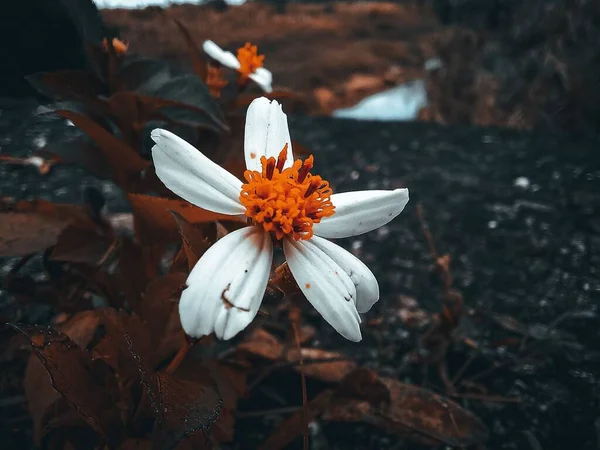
517 212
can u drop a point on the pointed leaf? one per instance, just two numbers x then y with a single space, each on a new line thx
137 72
125 162
154 221
187 101
67 85
198 63
72 374
413 413
197 237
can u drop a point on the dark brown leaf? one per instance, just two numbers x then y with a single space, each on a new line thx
77 379
141 71
182 405
67 85
154 221
138 265
29 227
159 310
124 161
187 100
23 234
197 237
413 413
83 241
294 426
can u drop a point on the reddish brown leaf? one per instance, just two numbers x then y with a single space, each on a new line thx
28 227
182 405
81 328
123 331
124 161
197 237
154 222
67 84
365 384
333 368
77 379
294 426
230 380
83 241
413 413
180 262
159 310
198 63
138 265
22 234
262 344
186 406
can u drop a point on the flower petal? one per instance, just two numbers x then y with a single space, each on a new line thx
194 177
264 78
266 133
325 285
367 288
228 59
226 286
361 211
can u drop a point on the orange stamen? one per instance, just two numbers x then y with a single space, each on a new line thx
249 60
215 80
286 201
119 46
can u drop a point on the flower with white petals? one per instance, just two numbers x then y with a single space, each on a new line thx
286 204
248 63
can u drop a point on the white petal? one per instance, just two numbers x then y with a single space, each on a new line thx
367 288
264 78
266 133
361 211
228 59
325 285
234 271
194 177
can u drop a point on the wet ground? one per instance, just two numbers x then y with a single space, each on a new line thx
517 212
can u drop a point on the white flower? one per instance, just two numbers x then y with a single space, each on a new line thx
286 202
248 63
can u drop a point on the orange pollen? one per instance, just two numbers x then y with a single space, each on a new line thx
286 201
119 46
249 60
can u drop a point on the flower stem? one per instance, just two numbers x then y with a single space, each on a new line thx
295 318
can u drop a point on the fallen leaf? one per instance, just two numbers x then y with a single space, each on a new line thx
262 344
83 241
28 227
294 426
76 378
331 367
413 413
197 237
153 220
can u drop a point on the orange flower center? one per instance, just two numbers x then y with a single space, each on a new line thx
249 60
286 201
119 46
